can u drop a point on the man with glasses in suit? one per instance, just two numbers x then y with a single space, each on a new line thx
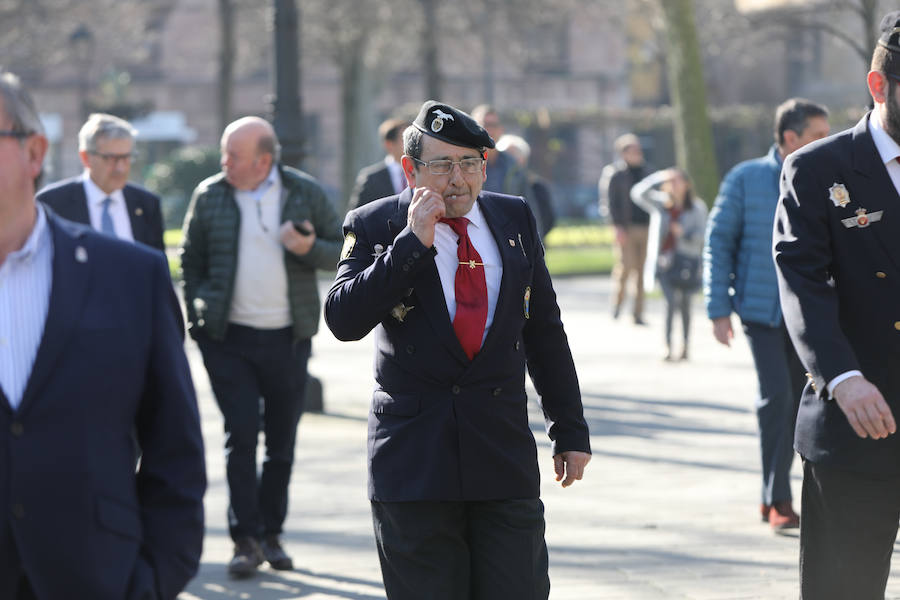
102 197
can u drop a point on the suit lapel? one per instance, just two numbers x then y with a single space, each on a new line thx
67 295
80 213
428 287
135 215
876 192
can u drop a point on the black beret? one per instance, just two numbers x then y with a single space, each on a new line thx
451 125
890 31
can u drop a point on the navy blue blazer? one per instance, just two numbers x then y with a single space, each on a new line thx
68 200
110 364
441 426
372 182
837 253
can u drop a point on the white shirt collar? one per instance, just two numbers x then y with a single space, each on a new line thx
475 216
887 147
95 195
35 238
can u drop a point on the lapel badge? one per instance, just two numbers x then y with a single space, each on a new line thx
439 117
527 302
349 243
862 219
512 243
138 211
399 311
81 254
839 195
379 250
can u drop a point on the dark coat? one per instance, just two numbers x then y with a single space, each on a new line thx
443 427
111 363
67 199
372 182
840 290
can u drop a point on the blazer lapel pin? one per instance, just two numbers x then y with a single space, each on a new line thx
399 311
138 211
862 219
839 195
81 254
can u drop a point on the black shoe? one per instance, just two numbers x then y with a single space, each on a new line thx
639 321
247 557
275 554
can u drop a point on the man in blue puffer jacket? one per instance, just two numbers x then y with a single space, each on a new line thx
739 276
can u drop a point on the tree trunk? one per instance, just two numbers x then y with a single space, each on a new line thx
694 150
226 62
287 114
433 83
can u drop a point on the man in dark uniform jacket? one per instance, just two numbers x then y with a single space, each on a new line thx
384 178
837 250
101 196
459 308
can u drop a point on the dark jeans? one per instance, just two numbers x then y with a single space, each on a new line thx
248 365
462 550
677 299
847 533
781 379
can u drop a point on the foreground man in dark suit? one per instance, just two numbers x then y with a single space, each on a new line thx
101 196
459 308
837 249
91 353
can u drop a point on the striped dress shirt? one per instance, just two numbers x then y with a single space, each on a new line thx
25 279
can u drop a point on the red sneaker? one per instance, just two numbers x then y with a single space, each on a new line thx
782 516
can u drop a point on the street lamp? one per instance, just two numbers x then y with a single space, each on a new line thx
82 42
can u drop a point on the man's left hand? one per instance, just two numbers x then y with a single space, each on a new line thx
570 465
296 242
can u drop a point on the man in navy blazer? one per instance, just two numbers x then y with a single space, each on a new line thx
90 355
101 196
837 251
453 473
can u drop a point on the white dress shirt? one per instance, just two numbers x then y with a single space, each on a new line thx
889 152
447 261
26 277
118 210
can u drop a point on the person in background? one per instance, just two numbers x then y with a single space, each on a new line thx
539 195
102 196
90 353
384 178
675 243
254 236
739 276
503 174
631 222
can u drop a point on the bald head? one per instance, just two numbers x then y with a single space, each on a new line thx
249 149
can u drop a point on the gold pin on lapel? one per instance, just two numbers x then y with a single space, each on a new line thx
138 211
512 243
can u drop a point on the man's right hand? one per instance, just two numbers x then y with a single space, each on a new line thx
865 408
722 330
425 210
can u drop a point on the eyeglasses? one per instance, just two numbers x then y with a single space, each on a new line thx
19 135
444 166
114 158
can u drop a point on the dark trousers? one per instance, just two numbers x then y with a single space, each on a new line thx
462 550
677 299
781 378
847 533
248 365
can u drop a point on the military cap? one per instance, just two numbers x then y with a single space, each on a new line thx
890 31
451 125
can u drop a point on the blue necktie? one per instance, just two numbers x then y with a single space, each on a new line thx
106 222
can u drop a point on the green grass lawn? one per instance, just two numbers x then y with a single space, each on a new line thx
571 249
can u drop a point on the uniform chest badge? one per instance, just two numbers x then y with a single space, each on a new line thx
379 250
349 243
862 219
527 302
839 195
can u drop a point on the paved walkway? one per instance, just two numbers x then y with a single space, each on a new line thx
668 508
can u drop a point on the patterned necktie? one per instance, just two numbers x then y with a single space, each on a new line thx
106 222
470 288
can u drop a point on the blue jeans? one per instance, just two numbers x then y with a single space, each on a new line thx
781 379
248 365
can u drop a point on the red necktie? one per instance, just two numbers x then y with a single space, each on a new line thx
471 290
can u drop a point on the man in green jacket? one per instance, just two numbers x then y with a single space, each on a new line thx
254 236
